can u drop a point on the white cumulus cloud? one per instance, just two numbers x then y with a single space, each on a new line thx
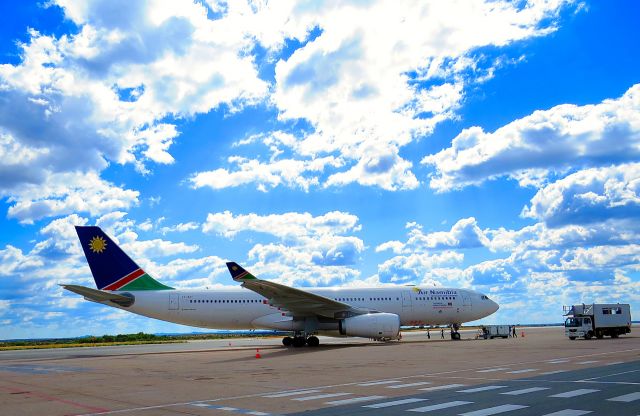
589 196
547 141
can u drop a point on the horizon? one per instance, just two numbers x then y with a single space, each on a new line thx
483 145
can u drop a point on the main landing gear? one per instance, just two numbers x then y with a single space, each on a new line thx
455 335
299 340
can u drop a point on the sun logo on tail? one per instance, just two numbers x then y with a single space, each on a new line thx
97 244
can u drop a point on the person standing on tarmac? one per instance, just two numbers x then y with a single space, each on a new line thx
442 333
515 335
428 334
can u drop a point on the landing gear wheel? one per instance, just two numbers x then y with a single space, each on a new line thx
299 342
455 336
313 341
287 341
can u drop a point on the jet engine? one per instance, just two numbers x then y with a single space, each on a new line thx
379 326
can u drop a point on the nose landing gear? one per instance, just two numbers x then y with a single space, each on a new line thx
455 335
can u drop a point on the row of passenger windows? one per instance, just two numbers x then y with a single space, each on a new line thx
223 301
338 299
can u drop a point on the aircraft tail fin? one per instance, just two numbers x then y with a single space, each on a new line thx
238 273
111 267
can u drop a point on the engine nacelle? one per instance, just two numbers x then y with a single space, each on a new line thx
379 326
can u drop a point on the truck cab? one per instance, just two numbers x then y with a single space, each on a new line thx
597 320
578 327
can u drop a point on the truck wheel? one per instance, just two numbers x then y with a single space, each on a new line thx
572 338
599 334
614 335
588 335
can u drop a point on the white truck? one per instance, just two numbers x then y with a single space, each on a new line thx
496 331
597 320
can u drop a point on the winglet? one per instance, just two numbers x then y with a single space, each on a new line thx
238 273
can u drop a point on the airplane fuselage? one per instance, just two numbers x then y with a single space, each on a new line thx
245 309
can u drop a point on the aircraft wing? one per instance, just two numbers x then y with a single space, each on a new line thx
100 295
297 301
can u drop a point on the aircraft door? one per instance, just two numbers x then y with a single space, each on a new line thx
406 299
174 301
407 307
466 301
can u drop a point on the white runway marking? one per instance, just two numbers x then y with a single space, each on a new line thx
320 396
611 375
355 400
574 393
290 393
438 406
616 362
626 398
342 385
477 389
376 383
394 403
446 386
587 362
494 410
525 391
400 386
491 370
548 373
569 412
526 370
558 361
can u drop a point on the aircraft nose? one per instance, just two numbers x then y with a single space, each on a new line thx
494 307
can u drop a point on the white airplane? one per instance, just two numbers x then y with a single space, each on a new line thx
375 313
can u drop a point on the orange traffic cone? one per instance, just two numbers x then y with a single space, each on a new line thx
522 334
258 354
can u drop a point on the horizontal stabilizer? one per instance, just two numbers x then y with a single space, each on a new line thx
101 295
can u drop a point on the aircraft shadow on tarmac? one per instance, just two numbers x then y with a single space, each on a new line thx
277 352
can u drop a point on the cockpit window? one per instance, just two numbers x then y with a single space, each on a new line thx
484 297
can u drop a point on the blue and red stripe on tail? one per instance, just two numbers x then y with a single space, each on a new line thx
112 269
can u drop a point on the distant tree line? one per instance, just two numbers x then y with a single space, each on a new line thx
139 338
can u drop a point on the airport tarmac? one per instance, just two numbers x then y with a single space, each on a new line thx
540 373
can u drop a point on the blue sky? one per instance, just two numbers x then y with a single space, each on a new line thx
490 145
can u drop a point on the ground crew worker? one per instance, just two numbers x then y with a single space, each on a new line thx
515 335
442 333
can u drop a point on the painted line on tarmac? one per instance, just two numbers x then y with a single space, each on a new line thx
396 378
